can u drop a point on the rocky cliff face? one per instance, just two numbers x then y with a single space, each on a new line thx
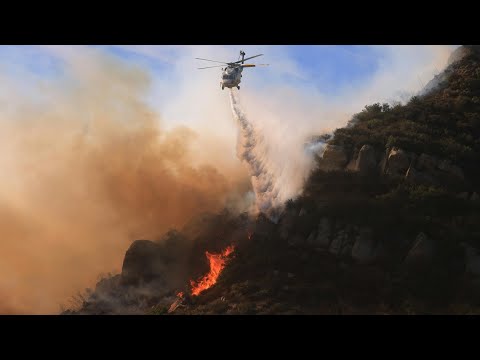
333 158
415 168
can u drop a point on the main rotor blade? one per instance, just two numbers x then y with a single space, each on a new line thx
209 67
221 62
251 57
253 65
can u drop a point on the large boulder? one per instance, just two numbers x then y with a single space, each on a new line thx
421 254
311 238
334 158
352 165
142 263
426 162
321 237
430 170
383 161
364 250
451 169
347 246
424 172
398 162
420 177
337 242
472 260
366 160
342 241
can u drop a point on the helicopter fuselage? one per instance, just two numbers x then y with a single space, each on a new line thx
232 73
231 76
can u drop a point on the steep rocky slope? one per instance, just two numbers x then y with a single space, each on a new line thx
389 222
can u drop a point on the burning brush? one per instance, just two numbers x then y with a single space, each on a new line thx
217 264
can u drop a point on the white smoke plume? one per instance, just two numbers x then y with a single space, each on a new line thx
272 181
249 150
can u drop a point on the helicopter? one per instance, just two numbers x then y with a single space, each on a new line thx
232 73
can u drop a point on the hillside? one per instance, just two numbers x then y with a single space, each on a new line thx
389 223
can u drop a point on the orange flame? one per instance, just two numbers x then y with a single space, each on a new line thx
217 263
180 294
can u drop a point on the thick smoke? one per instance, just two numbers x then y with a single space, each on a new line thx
85 171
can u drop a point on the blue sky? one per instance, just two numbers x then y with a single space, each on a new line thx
332 67
335 66
325 79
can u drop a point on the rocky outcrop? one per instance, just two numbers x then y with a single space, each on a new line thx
429 170
421 254
342 241
321 236
383 162
352 165
311 238
324 232
334 158
366 161
364 249
347 246
142 263
472 260
345 241
415 176
398 162
426 162
450 169
337 242
433 166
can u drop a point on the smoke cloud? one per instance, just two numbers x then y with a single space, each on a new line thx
85 171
